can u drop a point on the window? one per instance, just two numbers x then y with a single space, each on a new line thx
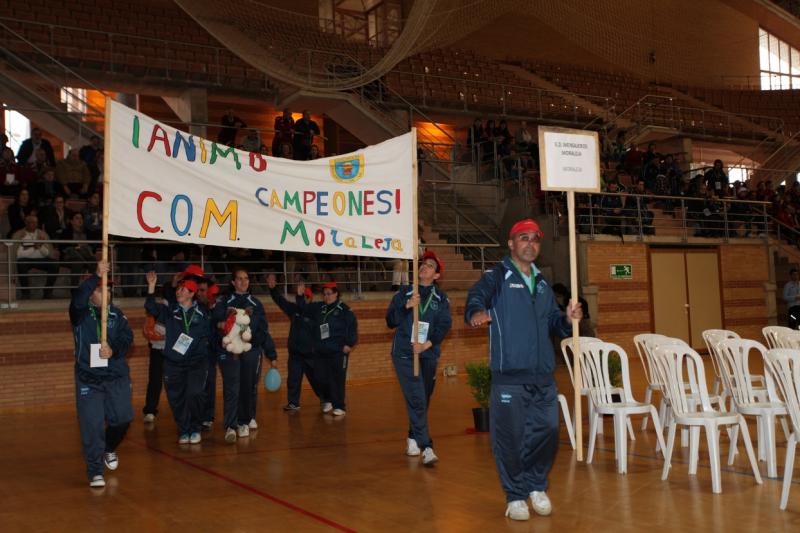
780 63
75 99
18 128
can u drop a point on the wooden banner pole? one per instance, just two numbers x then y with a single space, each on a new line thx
106 196
415 266
576 343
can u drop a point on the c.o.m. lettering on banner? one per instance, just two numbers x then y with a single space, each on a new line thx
182 224
338 238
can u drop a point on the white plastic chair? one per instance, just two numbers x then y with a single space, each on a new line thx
784 365
719 334
566 352
734 357
671 361
777 336
643 344
562 401
594 361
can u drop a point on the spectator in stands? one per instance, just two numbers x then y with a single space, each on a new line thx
717 179
55 218
230 127
35 256
3 141
791 295
711 221
612 209
634 161
740 214
45 190
10 184
305 130
74 174
78 257
285 151
503 138
88 154
524 138
252 141
284 132
40 163
27 150
650 155
636 207
20 208
314 152
93 217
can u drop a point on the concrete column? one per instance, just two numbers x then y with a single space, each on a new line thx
191 107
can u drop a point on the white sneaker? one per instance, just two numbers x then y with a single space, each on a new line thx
183 439
428 457
111 460
195 438
244 430
207 425
230 435
338 412
541 503
411 447
327 407
149 418
518 510
253 424
97 482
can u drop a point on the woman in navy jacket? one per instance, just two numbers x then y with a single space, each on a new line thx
435 322
186 344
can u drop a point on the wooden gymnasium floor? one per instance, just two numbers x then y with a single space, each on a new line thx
307 472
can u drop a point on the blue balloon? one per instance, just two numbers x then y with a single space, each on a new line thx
272 380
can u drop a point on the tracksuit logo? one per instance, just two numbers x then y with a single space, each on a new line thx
505 397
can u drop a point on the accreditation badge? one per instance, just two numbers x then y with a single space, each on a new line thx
324 331
422 332
182 344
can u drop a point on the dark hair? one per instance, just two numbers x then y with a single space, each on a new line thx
792 271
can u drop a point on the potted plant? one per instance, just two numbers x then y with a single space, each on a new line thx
479 378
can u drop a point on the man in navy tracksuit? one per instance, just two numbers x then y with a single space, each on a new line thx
335 335
300 344
240 372
434 324
188 327
522 312
102 394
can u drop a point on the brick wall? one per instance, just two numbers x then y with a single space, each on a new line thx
36 358
744 272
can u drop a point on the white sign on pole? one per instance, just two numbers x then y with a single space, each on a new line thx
570 160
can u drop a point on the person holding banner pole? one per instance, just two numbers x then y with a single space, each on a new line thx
336 333
519 306
102 376
434 324
187 325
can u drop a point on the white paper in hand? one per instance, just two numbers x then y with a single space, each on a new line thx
95 361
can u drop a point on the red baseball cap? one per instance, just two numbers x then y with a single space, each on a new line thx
429 254
189 284
527 224
329 285
308 292
212 291
194 270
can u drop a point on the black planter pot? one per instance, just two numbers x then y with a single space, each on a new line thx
481 418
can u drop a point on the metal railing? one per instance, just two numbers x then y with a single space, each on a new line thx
57 274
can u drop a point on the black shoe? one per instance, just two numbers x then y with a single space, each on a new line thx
291 407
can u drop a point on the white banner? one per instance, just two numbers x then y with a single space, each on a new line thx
168 184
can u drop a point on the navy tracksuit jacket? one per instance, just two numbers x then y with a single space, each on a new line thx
102 394
417 390
184 374
524 401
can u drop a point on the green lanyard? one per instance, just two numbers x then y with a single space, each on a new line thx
532 276
187 323
96 322
325 315
427 303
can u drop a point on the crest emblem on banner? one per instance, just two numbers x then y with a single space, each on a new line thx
347 169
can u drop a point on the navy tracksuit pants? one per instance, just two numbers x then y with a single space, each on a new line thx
524 434
417 392
331 374
299 365
185 385
239 378
210 392
155 374
99 402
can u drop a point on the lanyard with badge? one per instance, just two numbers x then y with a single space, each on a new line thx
184 340
424 327
95 360
525 279
325 328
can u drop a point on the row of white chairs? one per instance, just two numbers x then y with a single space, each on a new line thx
675 370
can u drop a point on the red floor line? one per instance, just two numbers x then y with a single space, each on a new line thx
250 488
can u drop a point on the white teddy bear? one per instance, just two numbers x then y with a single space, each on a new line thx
237 331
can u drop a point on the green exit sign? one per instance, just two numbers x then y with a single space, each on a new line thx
621 271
